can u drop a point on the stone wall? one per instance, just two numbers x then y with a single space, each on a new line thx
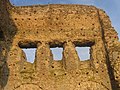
67 26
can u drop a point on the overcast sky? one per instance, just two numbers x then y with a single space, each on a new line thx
111 7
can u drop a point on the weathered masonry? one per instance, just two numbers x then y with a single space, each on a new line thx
66 26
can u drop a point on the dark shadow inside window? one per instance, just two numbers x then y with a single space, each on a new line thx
2 38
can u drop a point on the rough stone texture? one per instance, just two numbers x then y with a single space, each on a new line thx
67 26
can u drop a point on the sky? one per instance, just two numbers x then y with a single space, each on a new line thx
111 7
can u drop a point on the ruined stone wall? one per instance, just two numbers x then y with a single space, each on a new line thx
67 26
112 47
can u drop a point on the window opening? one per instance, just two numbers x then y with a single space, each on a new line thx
57 53
30 54
83 53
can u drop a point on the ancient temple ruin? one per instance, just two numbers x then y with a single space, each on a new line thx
67 26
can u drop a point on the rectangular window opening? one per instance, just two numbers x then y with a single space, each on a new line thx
29 48
30 54
83 53
57 53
